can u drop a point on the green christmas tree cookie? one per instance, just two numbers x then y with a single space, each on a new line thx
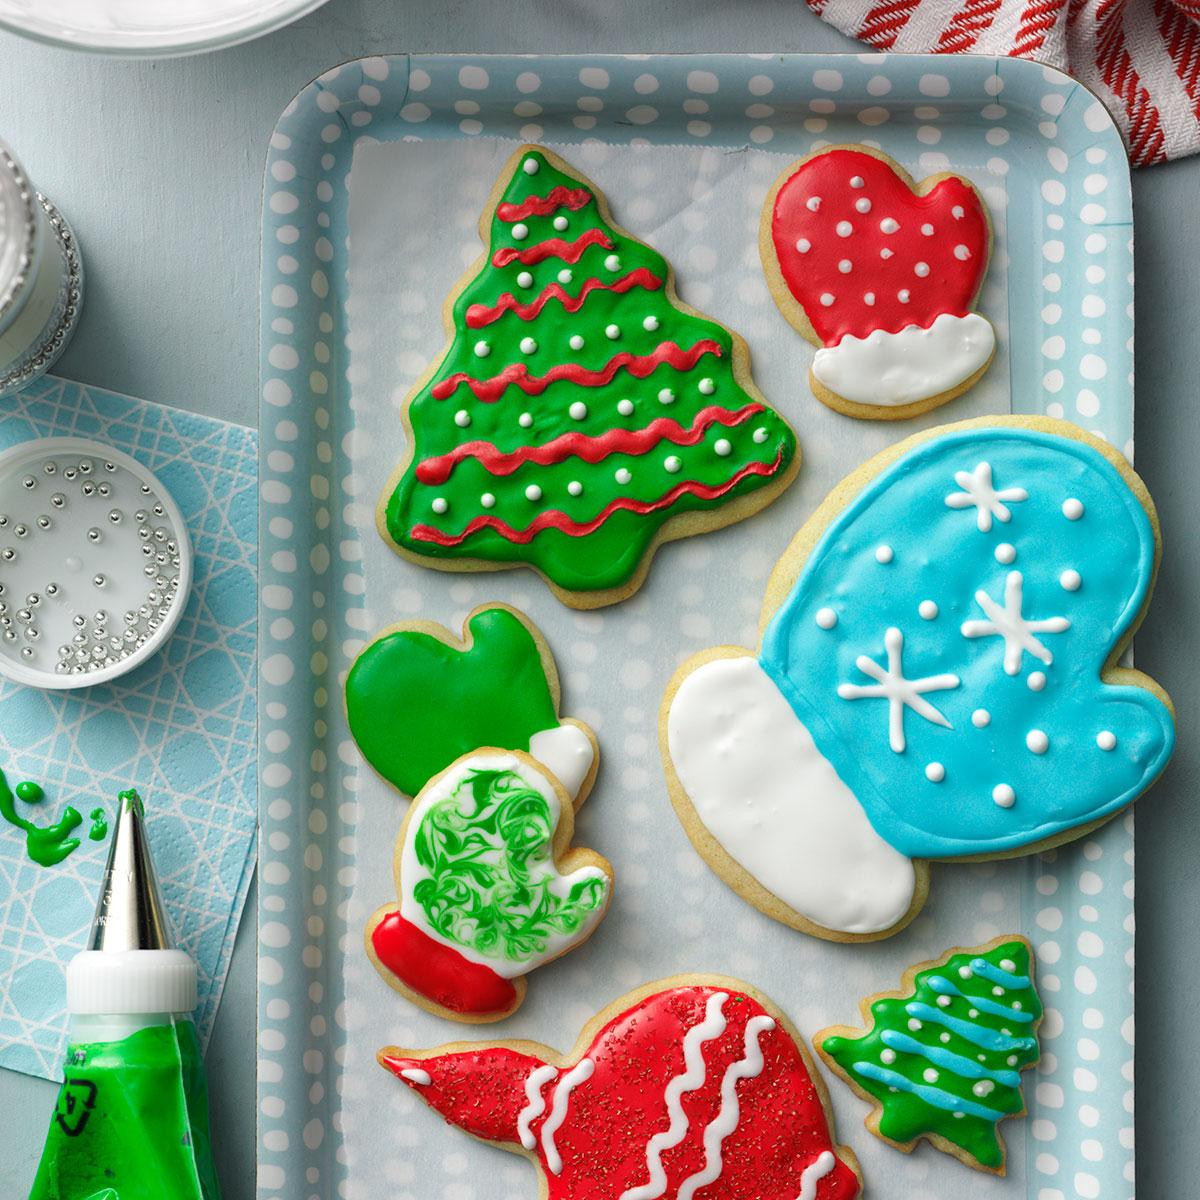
581 413
943 1057
417 698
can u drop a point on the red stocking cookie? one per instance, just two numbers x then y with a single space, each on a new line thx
881 273
695 1088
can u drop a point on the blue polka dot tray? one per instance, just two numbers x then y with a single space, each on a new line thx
376 176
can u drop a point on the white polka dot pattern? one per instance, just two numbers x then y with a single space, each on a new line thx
1047 164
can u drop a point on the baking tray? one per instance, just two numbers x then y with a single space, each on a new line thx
375 178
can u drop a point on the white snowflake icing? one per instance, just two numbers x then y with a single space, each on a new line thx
978 490
900 693
1009 623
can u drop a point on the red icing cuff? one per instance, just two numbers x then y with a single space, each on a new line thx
437 972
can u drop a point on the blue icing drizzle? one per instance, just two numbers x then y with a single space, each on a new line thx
931 1095
994 974
899 543
979 1035
947 1059
943 987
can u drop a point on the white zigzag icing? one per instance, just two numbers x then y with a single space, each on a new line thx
814 1173
579 1073
538 1078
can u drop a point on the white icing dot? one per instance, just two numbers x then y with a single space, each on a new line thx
576 342
487 500
884 554
927 229
706 387
578 410
612 332
843 229
672 463
575 487
622 475
760 436
961 252
1072 509
1036 681
666 396
943 1001
612 263
439 505
1003 795
531 166
1037 741
1006 552
957 212
914 1024
826 618
520 231
813 203
902 295
887 1056
560 223
625 407
983 1088
525 420
981 718
803 245
650 324
935 772
1070 580
528 345
928 609
965 972
525 279
869 298
921 270
1106 739
886 253
482 349
862 204
845 266
533 492
888 225
565 276
722 446
462 418
827 298
929 1075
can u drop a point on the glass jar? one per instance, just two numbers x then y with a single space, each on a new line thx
41 279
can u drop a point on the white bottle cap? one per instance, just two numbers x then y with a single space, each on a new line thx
105 982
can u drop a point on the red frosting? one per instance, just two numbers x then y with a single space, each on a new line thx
638 365
438 972
601 1146
543 206
479 315
552 248
848 274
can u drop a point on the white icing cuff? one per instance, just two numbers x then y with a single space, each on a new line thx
892 369
761 787
567 752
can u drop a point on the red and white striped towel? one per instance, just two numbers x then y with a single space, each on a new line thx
1141 57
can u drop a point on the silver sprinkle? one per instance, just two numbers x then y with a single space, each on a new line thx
33 599
103 489
97 652
29 483
99 580
144 533
64 651
52 589
158 510
115 516
21 530
58 500
101 617
3 521
143 610
79 620
80 640
149 569
9 636
141 516
145 489
153 623
26 651
110 467
24 615
148 551
50 467
8 554
94 534
88 489
70 473
85 467
160 534
43 522
32 634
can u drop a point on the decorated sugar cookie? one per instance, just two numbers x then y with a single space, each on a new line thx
937 678
881 273
695 1088
944 1054
417 698
489 888
581 413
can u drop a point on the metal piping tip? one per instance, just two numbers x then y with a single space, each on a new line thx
130 913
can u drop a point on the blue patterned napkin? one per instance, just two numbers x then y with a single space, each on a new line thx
180 728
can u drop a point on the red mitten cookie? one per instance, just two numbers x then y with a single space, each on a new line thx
882 274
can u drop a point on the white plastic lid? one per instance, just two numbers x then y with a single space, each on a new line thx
106 982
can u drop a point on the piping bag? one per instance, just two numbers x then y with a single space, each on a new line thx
131 1120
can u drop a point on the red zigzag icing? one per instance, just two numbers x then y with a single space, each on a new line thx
552 248
592 449
543 206
556 519
479 315
638 365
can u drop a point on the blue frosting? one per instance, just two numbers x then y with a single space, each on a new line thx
963 786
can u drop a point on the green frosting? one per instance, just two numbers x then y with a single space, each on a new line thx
489 878
946 1059
49 844
415 704
726 458
99 829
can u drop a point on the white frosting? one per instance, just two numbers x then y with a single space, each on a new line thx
567 752
535 1103
417 1075
776 805
580 1073
892 369
814 1173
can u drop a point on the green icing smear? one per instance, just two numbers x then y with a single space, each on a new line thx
47 845
643 318
491 883
416 703
945 1060
131 1122
99 829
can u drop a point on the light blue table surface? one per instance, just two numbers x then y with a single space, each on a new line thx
159 166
